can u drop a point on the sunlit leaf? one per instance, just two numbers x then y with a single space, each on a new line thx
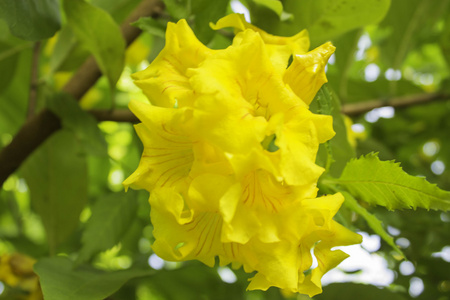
100 34
384 183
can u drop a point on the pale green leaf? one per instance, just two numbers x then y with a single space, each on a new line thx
56 175
100 34
31 19
60 280
385 183
82 124
371 220
111 217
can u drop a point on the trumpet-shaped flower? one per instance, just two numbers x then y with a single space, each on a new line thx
229 156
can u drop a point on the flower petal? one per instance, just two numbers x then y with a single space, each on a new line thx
165 81
306 74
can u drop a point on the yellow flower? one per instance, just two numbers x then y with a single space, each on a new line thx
16 271
229 156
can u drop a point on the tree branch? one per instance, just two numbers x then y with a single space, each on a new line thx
41 126
355 109
117 115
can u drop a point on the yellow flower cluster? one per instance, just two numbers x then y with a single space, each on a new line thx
16 271
229 156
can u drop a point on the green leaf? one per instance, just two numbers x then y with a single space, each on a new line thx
56 175
111 217
68 54
206 11
61 281
31 19
334 154
371 220
178 9
274 5
338 291
100 34
324 19
384 183
81 123
152 26
8 60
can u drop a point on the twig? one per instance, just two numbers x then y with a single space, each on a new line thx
34 80
41 126
363 107
117 115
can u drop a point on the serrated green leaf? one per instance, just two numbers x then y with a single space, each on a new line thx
100 34
385 183
82 124
371 220
111 216
31 20
59 280
56 175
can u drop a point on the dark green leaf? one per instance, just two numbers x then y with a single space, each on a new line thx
82 124
56 174
151 26
61 281
324 19
384 183
31 19
338 291
274 5
111 216
206 11
334 154
100 34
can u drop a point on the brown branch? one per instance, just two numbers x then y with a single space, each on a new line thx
117 115
355 109
34 80
41 126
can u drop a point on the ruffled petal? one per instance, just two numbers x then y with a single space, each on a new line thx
168 149
165 82
279 48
